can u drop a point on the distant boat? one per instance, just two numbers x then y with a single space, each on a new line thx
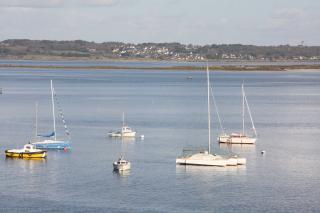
28 151
205 157
240 138
52 142
121 164
125 131
189 77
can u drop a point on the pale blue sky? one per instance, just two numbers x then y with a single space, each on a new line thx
260 22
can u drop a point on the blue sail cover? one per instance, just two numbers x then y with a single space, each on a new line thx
48 135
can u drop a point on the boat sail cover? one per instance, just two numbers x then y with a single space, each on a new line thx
47 135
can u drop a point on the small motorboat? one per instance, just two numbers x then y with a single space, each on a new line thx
124 132
28 151
121 164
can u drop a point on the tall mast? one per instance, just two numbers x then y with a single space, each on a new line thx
53 115
122 119
36 123
242 109
209 114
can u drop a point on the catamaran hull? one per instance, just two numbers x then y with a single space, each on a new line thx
41 154
183 161
203 159
231 140
52 145
235 161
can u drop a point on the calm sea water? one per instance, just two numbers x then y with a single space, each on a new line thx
171 112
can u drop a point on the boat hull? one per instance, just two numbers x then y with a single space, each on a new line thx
51 144
236 140
125 134
40 154
204 159
121 167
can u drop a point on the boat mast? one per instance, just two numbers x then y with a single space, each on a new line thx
209 114
36 123
122 119
242 109
53 115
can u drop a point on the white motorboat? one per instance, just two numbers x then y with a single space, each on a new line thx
240 138
121 164
206 158
125 131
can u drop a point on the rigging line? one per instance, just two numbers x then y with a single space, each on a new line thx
217 110
249 111
67 132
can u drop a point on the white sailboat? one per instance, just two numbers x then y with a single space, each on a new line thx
52 142
125 131
240 138
206 158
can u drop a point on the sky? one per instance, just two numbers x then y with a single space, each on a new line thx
256 22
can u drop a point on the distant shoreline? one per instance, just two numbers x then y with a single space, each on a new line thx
181 68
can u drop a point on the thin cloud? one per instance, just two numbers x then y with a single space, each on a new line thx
31 3
285 19
98 3
288 14
56 3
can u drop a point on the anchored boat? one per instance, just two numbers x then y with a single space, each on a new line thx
28 151
121 164
240 138
51 142
125 131
206 158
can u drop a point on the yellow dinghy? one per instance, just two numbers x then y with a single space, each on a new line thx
28 151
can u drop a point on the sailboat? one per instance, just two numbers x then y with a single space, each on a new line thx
52 142
240 138
206 158
125 131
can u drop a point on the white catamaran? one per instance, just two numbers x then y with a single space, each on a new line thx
52 142
206 158
240 138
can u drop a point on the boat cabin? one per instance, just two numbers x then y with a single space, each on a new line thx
28 147
126 129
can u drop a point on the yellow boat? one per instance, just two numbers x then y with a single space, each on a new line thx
28 151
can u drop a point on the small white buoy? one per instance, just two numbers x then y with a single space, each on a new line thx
263 152
142 137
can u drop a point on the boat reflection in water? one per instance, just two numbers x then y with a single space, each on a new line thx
237 147
121 174
211 170
124 139
26 165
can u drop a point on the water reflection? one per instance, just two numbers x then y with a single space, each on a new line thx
121 174
124 139
201 170
235 148
25 164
